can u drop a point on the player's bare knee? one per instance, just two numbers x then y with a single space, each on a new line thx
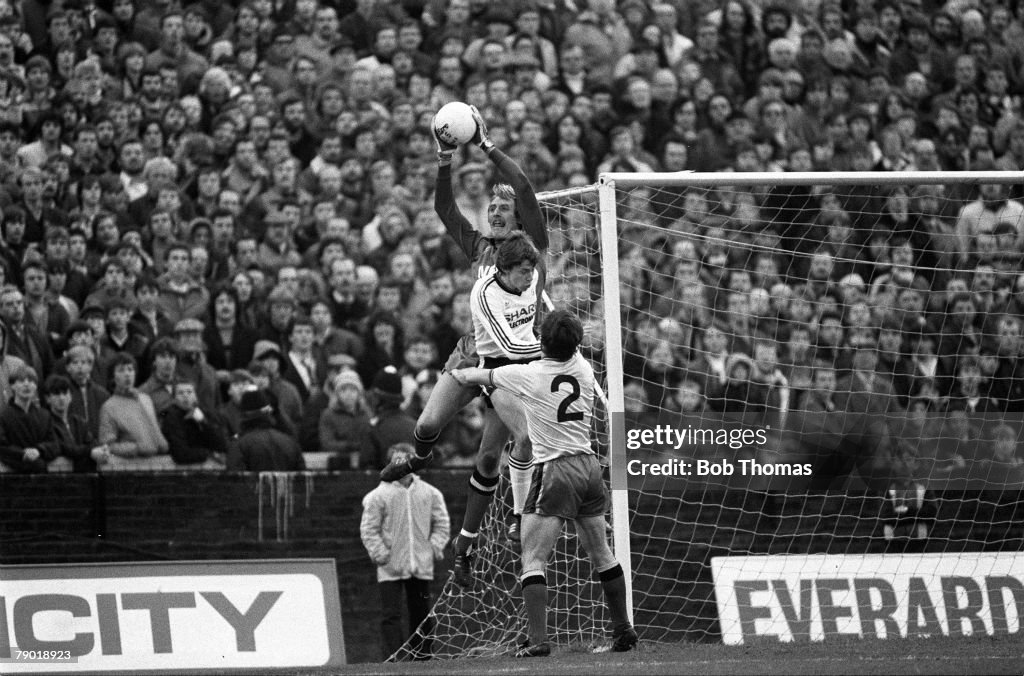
602 558
523 449
426 427
487 462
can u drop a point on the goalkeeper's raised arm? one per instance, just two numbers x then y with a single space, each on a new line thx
513 207
522 210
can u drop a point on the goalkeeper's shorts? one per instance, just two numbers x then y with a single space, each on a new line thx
463 356
570 486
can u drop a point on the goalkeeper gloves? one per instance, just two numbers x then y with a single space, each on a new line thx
445 150
480 137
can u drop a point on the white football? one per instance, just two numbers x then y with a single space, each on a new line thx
454 123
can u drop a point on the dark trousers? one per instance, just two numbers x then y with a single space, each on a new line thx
417 598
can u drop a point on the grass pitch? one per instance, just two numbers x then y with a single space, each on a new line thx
984 655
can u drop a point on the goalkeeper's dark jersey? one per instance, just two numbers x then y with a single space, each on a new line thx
482 251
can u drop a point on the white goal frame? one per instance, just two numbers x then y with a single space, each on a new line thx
608 184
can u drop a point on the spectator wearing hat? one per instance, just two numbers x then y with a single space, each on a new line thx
128 419
261 447
285 397
344 427
181 297
194 436
27 439
192 363
277 247
390 424
306 364
309 426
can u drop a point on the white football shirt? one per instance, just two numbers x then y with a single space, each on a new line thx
559 401
503 320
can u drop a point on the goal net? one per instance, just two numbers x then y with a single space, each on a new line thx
796 364
488 619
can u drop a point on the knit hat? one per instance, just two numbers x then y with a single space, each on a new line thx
189 325
240 376
388 382
280 295
340 359
268 348
348 378
255 404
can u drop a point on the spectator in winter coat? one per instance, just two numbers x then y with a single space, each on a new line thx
345 424
27 441
74 437
261 448
390 425
195 436
404 528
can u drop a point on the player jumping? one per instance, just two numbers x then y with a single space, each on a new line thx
513 206
557 393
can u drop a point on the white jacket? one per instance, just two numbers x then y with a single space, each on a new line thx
404 529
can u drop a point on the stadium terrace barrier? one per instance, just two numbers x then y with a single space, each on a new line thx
62 518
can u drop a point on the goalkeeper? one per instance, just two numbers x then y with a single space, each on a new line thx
513 207
558 395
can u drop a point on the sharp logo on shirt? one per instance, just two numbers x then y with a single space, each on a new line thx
521 316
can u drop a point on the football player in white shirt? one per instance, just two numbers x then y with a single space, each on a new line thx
514 207
557 393
504 306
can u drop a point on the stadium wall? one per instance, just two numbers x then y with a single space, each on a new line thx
178 516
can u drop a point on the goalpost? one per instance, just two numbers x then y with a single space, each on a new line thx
837 319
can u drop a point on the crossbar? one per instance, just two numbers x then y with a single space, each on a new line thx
709 179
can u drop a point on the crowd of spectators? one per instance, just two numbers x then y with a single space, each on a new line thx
218 218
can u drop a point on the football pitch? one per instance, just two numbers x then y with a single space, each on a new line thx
985 655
